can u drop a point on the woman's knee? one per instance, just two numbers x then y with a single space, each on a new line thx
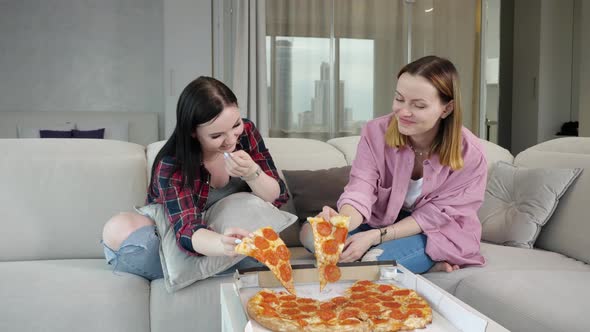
119 227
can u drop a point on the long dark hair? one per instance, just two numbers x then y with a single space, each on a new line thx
201 101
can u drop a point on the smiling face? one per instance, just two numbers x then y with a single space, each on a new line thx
221 134
418 108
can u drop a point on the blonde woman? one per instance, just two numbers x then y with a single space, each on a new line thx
418 178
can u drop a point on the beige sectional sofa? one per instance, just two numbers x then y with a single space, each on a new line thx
57 194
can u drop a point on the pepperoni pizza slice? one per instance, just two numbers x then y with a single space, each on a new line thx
268 248
329 237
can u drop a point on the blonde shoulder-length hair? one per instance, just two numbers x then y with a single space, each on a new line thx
442 74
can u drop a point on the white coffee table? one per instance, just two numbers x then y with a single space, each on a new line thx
461 315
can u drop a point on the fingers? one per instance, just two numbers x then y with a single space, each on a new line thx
237 232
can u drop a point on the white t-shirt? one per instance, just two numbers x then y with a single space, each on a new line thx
414 190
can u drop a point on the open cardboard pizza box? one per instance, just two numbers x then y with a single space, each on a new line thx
449 314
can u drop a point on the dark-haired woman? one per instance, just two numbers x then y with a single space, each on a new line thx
211 154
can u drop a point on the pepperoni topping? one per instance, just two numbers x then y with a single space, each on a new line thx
266 295
397 314
379 321
285 272
384 288
414 312
308 308
358 296
416 305
371 300
301 322
371 307
269 312
271 258
350 322
339 300
290 311
347 313
332 273
326 314
401 292
290 304
393 305
270 234
358 288
330 247
261 243
365 283
356 304
384 298
324 228
283 252
327 306
340 234
288 297
305 300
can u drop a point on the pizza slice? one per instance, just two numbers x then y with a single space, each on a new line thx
268 248
328 241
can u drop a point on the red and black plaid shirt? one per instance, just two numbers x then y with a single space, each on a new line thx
185 206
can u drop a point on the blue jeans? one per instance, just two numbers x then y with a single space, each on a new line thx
140 254
407 251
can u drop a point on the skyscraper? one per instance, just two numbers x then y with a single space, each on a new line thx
283 108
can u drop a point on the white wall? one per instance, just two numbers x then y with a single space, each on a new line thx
187 50
81 55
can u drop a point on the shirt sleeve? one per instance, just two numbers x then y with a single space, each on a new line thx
179 204
260 154
456 202
361 190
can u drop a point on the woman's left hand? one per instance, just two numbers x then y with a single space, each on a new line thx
357 245
240 164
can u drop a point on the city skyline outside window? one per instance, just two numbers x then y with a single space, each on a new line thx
304 100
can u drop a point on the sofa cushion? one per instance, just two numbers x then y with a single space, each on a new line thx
72 295
238 210
302 153
567 230
194 308
58 194
519 201
312 190
540 300
503 258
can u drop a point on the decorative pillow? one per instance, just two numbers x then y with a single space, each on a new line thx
311 190
238 210
55 133
114 130
96 134
519 201
35 132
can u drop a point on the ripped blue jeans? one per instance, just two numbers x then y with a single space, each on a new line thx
139 254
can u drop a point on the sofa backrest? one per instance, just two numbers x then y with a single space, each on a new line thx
567 230
57 194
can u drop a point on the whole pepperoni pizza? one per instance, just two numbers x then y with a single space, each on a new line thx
366 306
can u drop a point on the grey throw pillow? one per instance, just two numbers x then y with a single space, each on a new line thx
312 190
519 201
243 210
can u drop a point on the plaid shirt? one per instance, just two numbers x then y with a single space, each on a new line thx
185 206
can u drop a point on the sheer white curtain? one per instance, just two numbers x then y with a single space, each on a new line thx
249 61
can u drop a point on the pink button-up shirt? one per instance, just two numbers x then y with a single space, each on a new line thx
446 210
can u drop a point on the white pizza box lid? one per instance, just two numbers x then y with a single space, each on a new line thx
449 313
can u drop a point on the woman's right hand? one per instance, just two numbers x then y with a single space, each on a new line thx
327 213
229 237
